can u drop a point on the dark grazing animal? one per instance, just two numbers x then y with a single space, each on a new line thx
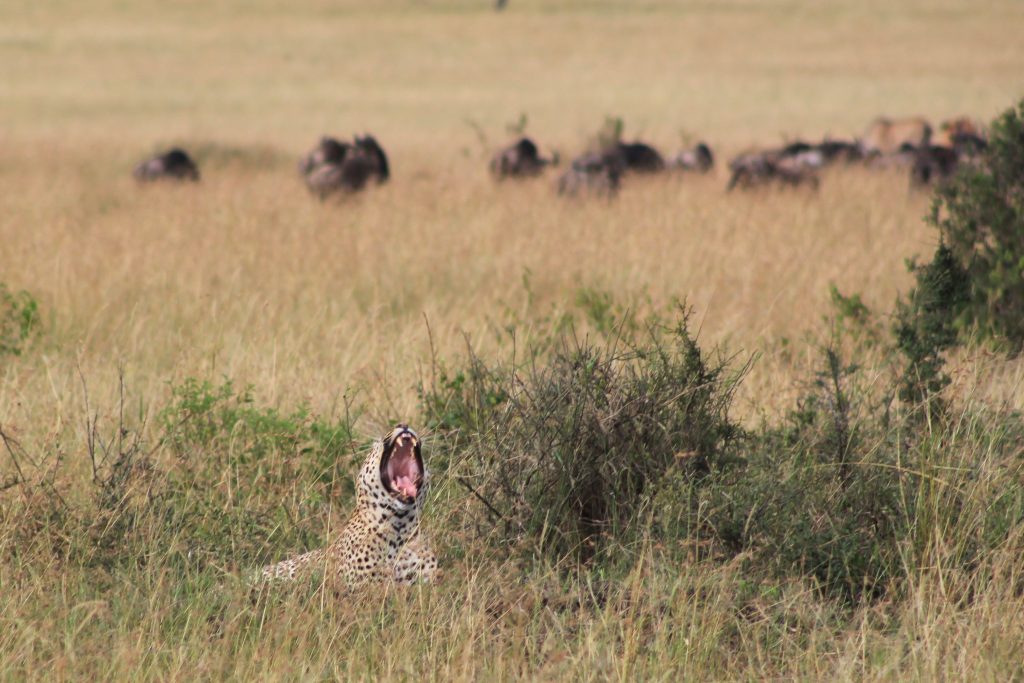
958 141
795 163
939 162
638 156
813 156
174 164
519 160
969 144
698 159
935 163
796 148
327 151
756 169
839 150
599 173
335 166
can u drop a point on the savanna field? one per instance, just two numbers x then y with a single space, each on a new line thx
677 435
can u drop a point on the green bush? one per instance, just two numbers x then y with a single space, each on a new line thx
19 319
221 481
208 426
563 448
854 497
817 495
980 216
925 324
244 473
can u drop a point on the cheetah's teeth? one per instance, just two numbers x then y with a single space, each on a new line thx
406 486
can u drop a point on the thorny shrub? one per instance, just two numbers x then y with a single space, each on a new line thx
562 449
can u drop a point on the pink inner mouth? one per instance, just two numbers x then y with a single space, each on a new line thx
403 470
406 486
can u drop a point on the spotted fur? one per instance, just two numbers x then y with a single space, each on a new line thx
382 540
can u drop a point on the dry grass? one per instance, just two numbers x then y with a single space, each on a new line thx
246 276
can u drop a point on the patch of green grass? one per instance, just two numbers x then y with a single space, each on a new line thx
19 320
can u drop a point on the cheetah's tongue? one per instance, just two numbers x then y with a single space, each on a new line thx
406 486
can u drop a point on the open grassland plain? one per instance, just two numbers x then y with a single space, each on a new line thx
212 358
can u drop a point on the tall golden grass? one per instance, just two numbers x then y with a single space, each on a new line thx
247 276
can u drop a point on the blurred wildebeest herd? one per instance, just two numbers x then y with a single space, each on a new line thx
336 167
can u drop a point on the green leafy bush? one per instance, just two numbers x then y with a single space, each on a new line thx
209 426
974 283
816 495
244 473
856 498
980 215
221 482
563 449
925 324
19 319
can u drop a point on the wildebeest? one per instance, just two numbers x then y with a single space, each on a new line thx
174 164
519 160
958 141
599 173
638 156
335 166
327 151
969 144
698 159
754 169
932 163
839 150
939 162
800 155
886 136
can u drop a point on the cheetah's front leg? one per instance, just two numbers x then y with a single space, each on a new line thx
416 562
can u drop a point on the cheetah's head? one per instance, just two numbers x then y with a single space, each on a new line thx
401 465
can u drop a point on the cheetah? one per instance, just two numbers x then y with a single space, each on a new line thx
382 541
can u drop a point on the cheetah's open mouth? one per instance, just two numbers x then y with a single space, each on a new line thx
401 469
